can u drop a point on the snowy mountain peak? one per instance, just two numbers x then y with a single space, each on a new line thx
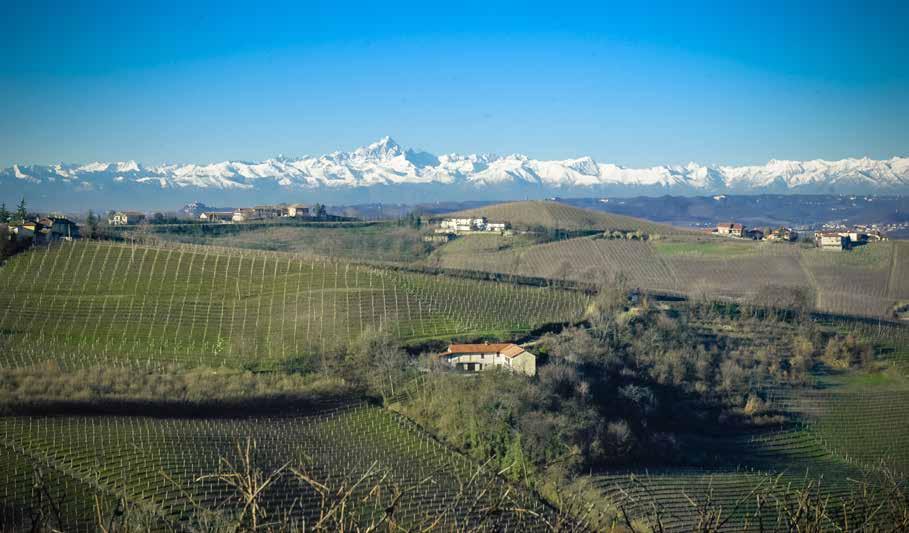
383 169
383 149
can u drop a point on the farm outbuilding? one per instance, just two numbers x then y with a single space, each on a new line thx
486 356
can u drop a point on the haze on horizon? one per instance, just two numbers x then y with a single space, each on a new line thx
667 84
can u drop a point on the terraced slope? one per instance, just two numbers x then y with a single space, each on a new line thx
159 466
85 303
523 215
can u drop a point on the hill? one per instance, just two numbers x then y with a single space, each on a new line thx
161 466
556 215
866 281
205 306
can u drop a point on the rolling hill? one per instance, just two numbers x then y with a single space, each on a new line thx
109 303
549 214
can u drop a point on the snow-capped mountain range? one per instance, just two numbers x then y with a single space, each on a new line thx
385 171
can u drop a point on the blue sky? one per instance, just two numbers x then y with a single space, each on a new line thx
728 82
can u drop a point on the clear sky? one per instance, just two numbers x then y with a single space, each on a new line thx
731 82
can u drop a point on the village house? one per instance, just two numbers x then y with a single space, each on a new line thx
782 234
486 356
59 228
831 241
45 229
296 211
268 211
855 237
265 212
471 225
217 216
730 229
243 214
464 224
26 230
126 218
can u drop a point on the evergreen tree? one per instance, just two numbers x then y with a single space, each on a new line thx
21 212
4 214
92 222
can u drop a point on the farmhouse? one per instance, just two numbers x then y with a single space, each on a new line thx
486 356
215 216
126 218
471 225
782 234
296 211
56 228
267 211
730 229
263 212
855 236
831 241
243 214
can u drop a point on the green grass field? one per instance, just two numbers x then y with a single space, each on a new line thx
87 303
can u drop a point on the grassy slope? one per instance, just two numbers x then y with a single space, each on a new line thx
523 215
865 281
84 303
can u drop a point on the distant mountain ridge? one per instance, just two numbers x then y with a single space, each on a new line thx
385 170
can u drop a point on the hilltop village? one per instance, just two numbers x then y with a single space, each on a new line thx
842 239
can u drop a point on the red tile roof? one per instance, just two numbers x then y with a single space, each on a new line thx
506 349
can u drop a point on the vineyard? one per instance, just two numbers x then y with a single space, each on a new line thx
84 302
867 281
842 432
841 440
165 468
373 242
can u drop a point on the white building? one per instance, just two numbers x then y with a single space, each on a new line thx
486 356
470 225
